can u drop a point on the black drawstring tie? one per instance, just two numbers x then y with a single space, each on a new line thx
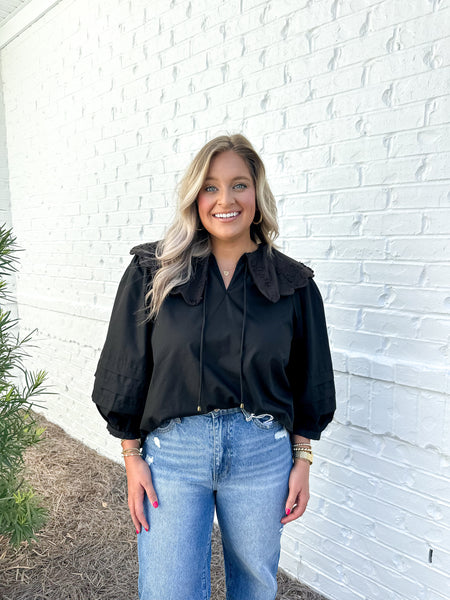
202 335
241 378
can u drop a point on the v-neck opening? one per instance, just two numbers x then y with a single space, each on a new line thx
233 277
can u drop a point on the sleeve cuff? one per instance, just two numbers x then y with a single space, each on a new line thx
123 435
312 435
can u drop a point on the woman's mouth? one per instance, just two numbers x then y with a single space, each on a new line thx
227 216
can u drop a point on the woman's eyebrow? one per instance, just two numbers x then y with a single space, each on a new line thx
241 178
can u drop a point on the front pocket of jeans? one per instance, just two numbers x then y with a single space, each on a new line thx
166 425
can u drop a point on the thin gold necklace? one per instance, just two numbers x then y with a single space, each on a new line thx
227 272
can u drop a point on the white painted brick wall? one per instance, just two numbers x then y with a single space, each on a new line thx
348 102
5 208
5 213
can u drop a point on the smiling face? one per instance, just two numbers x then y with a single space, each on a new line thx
227 200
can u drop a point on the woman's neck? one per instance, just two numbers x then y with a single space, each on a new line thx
230 252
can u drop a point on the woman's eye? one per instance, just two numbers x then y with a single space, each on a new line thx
212 188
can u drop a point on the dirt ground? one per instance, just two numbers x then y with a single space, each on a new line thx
88 550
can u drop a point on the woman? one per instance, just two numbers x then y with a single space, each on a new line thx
216 373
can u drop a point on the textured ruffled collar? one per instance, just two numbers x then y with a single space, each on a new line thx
274 276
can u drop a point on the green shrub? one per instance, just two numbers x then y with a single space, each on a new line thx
21 514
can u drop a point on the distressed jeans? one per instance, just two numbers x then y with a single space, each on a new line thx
230 460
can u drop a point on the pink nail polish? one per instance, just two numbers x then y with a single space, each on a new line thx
146 528
155 504
288 510
137 531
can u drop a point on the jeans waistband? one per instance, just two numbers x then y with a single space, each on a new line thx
222 411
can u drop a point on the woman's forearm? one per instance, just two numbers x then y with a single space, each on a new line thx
299 439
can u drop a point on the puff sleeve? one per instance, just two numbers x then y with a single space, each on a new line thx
125 365
310 369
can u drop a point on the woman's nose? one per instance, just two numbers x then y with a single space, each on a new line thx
226 197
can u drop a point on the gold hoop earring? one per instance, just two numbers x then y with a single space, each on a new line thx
259 221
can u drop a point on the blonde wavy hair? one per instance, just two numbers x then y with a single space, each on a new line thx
186 238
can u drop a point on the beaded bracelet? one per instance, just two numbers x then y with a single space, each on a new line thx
306 448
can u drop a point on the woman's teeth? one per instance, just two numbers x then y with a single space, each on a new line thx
226 215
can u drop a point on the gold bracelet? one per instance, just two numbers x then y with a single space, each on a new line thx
294 450
132 452
303 454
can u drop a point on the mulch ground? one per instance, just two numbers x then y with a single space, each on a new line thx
88 550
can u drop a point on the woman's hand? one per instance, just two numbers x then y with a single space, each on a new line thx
139 482
298 491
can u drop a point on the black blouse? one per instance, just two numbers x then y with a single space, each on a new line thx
261 344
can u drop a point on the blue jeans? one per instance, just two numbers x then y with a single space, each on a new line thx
231 460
